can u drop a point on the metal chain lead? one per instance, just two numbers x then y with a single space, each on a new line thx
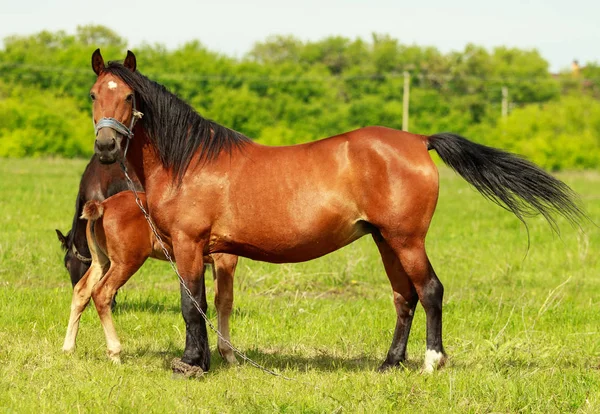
195 302
183 284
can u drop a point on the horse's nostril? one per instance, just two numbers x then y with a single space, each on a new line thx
103 146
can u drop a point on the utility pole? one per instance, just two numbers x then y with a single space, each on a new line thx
405 100
504 102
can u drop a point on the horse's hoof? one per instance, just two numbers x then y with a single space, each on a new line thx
228 356
433 361
68 349
232 361
115 359
386 366
185 370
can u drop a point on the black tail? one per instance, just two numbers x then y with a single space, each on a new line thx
508 180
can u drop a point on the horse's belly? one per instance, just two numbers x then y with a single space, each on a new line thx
284 247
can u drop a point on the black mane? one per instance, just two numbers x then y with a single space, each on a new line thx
173 126
78 223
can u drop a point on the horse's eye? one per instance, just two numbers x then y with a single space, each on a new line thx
92 96
129 97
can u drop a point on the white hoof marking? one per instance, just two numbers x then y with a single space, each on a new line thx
432 360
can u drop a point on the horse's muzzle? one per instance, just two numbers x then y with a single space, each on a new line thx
107 146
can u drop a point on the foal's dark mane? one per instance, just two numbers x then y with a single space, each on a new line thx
173 126
77 221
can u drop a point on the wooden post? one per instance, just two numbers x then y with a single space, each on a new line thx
504 102
405 100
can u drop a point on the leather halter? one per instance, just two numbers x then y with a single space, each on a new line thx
118 126
79 256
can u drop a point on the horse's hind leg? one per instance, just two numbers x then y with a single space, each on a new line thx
223 271
82 293
103 294
414 261
405 301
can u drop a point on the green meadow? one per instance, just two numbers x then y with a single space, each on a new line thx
521 324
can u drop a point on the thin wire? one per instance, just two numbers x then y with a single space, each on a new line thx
398 73
197 306
184 285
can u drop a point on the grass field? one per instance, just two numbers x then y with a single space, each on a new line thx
521 328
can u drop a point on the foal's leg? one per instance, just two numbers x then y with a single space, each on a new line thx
190 264
103 294
405 301
414 261
82 293
223 270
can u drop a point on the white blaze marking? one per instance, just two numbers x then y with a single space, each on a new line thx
112 85
432 359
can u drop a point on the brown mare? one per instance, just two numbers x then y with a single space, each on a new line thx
100 181
212 190
120 241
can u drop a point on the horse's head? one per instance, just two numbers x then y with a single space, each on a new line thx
113 108
75 263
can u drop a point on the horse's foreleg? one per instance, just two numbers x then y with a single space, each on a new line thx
190 264
223 271
405 302
82 293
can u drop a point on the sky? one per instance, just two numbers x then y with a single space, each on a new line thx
561 30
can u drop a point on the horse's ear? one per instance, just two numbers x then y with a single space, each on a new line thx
61 238
130 62
97 62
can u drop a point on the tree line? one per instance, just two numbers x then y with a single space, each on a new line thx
286 91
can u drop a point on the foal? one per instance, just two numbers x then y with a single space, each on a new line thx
120 240
98 182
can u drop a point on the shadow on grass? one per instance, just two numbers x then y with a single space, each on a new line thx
128 304
321 362
278 361
287 364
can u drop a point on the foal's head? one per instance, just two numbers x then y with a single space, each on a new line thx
113 107
75 263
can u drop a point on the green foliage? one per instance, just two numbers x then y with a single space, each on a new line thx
240 109
308 90
38 123
57 61
557 135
